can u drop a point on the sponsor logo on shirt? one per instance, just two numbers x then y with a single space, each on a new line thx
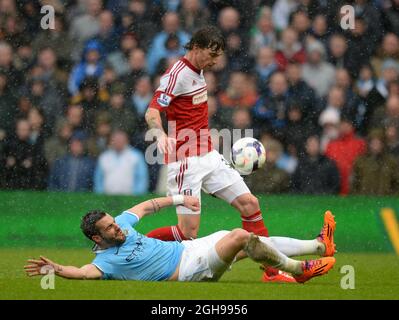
200 98
164 100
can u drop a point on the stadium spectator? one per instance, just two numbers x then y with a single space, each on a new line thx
141 95
301 23
8 103
353 104
121 169
193 15
121 116
344 151
362 44
338 54
119 59
84 27
316 72
92 101
58 39
270 110
269 179
391 17
336 100
211 83
315 174
282 10
263 33
98 142
236 52
137 68
366 81
329 121
25 166
320 30
57 145
265 66
302 94
240 93
143 18
157 49
108 34
387 114
289 49
91 65
372 17
392 139
45 95
389 49
229 20
298 129
74 171
7 66
377 172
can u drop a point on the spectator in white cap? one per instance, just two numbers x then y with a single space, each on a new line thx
329 121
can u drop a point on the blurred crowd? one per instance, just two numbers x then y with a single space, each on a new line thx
323 100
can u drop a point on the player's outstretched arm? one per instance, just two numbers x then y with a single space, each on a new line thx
154 205
45 266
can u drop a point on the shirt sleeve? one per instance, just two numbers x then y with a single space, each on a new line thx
128 218
171 86
104 266
161 101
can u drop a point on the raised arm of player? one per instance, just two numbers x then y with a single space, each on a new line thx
154 205
154 121
44 266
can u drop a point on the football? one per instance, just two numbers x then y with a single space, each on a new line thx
248 155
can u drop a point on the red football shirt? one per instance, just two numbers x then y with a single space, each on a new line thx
183 95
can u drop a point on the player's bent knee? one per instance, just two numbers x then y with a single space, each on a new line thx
240 236
248 204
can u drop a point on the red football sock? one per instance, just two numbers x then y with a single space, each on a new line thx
255 224
170 233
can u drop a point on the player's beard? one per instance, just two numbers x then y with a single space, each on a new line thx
117 240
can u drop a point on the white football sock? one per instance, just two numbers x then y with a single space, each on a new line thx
265 253
294 247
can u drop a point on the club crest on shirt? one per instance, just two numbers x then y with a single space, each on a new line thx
200 98
164 100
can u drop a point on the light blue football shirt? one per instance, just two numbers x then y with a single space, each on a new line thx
139 257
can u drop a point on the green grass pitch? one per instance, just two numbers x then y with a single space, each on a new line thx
376 277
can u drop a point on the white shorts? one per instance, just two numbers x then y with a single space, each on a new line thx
209 172
200 262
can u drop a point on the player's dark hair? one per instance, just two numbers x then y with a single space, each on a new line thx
208 37
88 224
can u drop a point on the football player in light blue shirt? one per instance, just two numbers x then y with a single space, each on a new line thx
124 254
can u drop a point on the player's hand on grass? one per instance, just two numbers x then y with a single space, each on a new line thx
39 267
192 203
166 144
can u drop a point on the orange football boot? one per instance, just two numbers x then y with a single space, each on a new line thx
314 268
280 277
326 235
